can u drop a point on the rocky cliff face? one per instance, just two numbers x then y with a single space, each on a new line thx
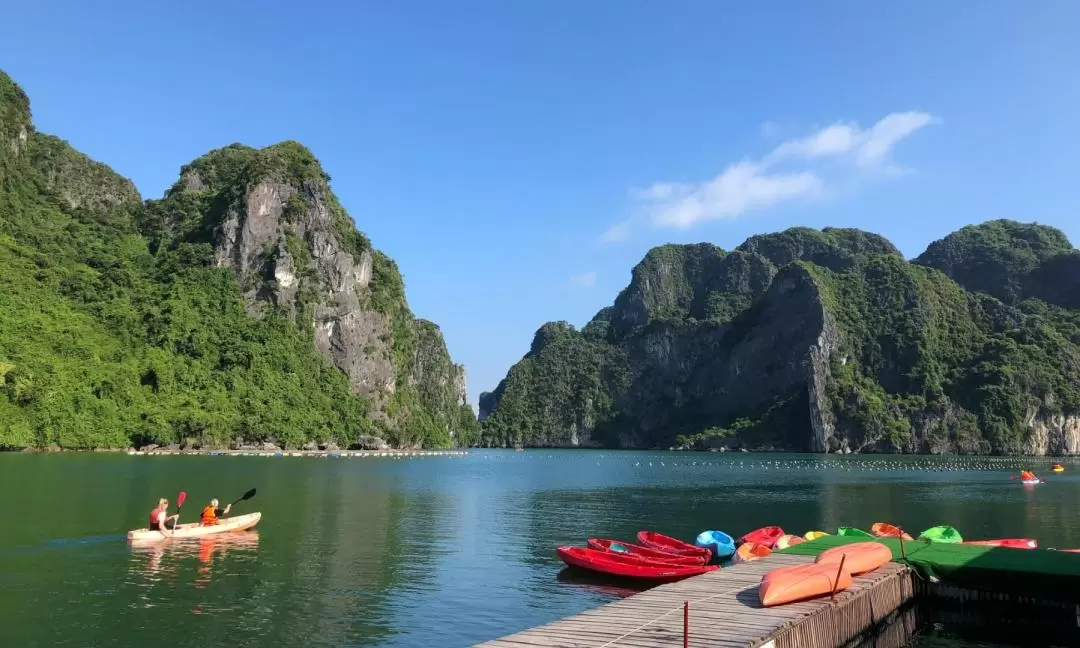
242 307
270 216
804 340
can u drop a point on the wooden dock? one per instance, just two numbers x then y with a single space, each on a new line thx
724 612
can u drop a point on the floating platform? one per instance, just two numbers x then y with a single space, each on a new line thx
724 612
1009 595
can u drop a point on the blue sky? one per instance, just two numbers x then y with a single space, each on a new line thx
517 158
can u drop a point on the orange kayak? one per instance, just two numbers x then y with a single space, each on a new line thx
800 582
788 540
748 551
861 557
886 530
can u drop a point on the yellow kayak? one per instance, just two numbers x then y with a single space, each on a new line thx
814 535
196 529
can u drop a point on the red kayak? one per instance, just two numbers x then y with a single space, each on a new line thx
627 566
765 535
654 540
1012 543
625 549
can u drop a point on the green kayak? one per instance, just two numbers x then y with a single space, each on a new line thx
852 532
941 534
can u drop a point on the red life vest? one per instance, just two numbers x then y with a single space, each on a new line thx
154 516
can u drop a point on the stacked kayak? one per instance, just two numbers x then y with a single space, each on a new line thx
852 532
197 529
628 565
719 543
750 551
668 544
625 548
814 535
801 582
941 534
764 536
787 540
1011 543
886 530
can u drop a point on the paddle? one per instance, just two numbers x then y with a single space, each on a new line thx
179 505
246 496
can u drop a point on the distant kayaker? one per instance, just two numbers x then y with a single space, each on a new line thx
160 520
211 513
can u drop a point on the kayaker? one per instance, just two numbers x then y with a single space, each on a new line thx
211 513
160 520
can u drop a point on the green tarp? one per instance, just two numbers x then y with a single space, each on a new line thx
1029 572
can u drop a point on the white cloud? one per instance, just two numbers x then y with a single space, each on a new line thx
751 186
740 188
617 233
583 280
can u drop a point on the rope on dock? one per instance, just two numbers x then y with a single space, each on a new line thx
674 609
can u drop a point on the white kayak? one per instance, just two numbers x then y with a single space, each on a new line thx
1031 481
196 529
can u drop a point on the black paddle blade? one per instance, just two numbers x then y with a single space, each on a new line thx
248 495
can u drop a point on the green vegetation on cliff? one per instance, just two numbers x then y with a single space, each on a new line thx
824 340
119 325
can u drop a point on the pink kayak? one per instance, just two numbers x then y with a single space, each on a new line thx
1011 543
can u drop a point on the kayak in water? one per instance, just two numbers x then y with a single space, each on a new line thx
721 544
1058 468
196 529
941 534
628 566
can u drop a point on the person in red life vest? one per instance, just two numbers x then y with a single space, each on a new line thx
211 513
160 520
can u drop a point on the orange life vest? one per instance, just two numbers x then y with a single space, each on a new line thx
209 516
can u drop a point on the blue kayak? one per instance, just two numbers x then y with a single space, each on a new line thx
721 544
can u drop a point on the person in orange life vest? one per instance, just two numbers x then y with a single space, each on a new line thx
160 520
211 513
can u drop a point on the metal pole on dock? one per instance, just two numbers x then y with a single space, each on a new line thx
839 570
686 624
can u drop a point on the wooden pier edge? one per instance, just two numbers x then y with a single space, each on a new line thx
724 611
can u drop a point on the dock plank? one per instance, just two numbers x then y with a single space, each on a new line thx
724 612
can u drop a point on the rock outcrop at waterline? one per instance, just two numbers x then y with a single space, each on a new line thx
243 304
817 340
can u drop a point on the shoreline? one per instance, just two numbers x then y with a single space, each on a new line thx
160 452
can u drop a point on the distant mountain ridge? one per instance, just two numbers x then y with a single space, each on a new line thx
819 341
243 307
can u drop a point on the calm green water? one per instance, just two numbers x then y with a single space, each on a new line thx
431 551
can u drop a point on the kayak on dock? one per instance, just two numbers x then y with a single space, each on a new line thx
662 542
197 529
814 535
788 540
719 543
852 532
764 536
886 530
941 534
749 551
859 557
615 564
625 548
1011 543
800 582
